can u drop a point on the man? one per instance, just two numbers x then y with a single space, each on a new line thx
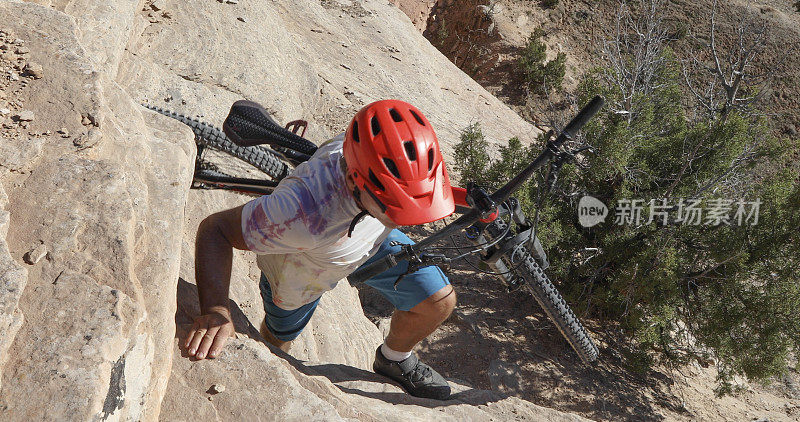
336 212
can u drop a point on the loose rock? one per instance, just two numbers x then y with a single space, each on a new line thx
4 111
25 116
35 255
241 19
216 389
35 70
232 1
85 121
22 50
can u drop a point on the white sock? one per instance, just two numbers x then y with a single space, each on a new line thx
393 354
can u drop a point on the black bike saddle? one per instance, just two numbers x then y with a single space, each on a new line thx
249 124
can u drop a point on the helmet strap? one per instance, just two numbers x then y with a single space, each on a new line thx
359 216
357 197
355 221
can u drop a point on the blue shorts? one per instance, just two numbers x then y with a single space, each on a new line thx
413 289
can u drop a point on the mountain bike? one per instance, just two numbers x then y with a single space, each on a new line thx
500 233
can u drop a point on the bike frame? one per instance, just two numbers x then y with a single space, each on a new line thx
237 184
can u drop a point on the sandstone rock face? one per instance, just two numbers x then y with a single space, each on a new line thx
99 308
13 278
102 185
321 61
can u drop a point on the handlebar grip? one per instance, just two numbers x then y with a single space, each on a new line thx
587 112
365 273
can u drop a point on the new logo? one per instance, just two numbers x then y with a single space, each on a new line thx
591 211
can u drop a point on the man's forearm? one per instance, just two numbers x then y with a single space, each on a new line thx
212 258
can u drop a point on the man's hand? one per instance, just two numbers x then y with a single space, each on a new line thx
217 235
209 333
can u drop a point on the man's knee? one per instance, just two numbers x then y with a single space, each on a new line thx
440 304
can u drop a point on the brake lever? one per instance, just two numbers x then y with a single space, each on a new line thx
438 259
423 260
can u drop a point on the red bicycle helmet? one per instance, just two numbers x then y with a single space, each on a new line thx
392 153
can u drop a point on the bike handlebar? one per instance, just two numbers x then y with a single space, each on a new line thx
572 128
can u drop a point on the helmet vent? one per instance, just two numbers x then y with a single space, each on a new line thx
395 115
410 150
354 132
392 167
430 159
375 181
376 127
416 116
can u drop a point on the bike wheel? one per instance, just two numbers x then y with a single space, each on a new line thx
521 264
210 136
260 158
557 309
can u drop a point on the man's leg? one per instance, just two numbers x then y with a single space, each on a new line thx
423 300
280 326
271 339
410 327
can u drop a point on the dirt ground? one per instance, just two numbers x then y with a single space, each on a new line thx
503 341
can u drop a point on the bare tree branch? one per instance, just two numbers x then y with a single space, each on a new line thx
732 85
633 51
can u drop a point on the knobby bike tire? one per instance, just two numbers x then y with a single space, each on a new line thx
287 154
209 135
259 158
557 309
520 261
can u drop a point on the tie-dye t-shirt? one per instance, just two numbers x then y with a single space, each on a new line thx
300 230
